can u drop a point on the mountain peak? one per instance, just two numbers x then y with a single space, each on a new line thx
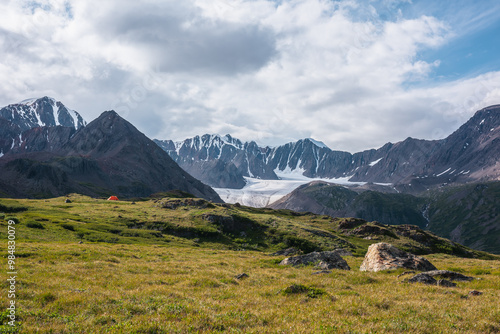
318 143
44 111
31 101
109 113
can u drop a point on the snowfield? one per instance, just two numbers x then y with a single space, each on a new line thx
260 193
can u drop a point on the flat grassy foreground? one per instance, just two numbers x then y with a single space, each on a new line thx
106 288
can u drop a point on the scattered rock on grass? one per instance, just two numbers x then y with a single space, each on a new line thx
475 293
325 260
384 256
451 275
428 278
241 276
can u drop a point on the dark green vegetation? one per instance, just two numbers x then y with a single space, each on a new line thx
197 222
371 205
468 214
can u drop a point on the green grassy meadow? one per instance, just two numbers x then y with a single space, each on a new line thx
145 268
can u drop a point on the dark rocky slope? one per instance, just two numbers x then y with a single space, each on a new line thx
467 214
108 156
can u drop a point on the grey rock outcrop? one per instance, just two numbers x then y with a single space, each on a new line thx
384 256
445 274
423 278
324 260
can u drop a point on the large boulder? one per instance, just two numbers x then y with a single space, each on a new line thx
384 256
323 260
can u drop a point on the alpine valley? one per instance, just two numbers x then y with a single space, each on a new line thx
449 186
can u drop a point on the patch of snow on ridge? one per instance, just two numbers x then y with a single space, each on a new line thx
74 115
292 174
373 163
446 171
55 110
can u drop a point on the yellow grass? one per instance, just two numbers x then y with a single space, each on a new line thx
102 288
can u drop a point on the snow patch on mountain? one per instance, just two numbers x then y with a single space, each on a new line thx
260 193
373 163
446 171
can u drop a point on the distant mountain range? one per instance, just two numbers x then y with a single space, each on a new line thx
470 154
48 150
448 186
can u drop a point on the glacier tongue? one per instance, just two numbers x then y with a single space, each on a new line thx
259 193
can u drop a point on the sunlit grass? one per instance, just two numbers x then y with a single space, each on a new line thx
137 280
98 288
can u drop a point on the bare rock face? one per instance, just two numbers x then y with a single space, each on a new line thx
324 260
383 256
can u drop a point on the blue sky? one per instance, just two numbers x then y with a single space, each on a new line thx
468 55
475 45
354 74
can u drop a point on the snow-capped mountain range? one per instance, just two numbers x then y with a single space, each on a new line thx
244 172
33 113
250 174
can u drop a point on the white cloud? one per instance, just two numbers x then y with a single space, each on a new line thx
271 71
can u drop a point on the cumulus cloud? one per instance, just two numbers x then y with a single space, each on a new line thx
346 72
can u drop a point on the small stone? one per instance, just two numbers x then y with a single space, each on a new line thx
67 200
475 293
241 276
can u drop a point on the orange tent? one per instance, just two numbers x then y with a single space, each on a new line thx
113 198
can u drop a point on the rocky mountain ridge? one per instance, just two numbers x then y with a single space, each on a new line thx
471 153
